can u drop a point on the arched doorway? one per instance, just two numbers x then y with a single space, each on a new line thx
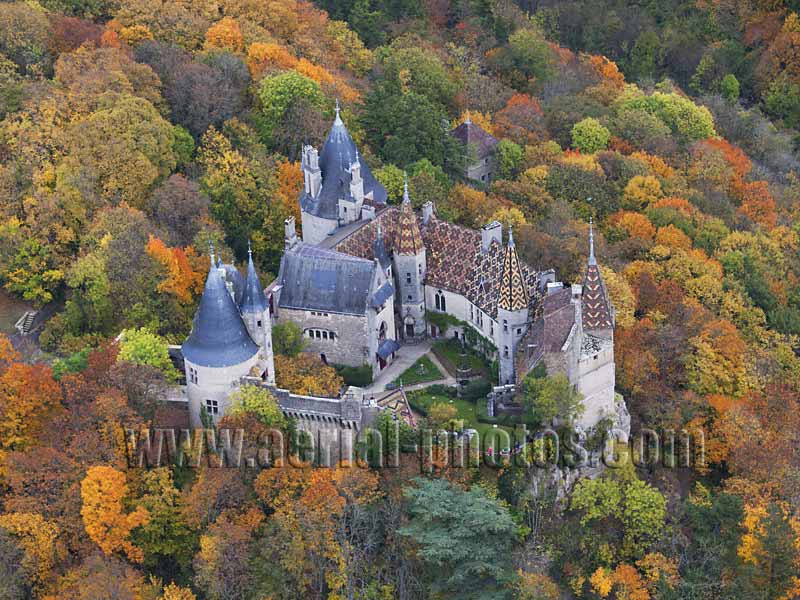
409 326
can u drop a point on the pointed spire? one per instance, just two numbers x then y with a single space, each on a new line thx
406 198
211 253
513 291
253 298
338 119
468 121
592 259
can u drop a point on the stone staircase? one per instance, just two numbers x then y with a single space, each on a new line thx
24 324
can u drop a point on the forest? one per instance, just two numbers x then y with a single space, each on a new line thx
134 133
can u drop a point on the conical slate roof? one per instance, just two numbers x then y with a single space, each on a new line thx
219 337
253 298
379 249
338 153
513 292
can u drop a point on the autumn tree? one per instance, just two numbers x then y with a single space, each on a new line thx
306 375
104 491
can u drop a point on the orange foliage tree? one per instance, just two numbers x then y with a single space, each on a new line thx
225 34
103 491
29 396
182 281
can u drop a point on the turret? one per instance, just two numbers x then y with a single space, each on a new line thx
409 267
512 309
218 352
596 309
255 313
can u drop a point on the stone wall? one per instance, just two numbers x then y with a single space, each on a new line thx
214 384
350 345
316 229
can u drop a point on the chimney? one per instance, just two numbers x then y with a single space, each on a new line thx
554 286
367 212
427 212
490 232
289 232
311 172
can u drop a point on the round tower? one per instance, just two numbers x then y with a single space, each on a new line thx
218 352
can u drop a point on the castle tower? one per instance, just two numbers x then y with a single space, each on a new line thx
512 310
596 370
218 352
337 182
255 313
409 269
598 314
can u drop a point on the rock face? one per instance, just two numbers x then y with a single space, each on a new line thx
557 482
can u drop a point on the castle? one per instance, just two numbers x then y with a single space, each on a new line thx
365 278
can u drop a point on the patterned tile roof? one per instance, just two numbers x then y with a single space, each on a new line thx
455 261
595 305
513 290
410 240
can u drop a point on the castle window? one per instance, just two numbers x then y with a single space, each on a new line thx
259 324
409 297
491 328
505 325
519 330
324 335
192 375
317 334
311 333
408 278
212 406
441 303
505 351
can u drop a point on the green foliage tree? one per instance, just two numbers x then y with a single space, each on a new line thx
287 339
259 401
551 397
441 513
730 88
143 347
393 180
508 158
589 136
276 95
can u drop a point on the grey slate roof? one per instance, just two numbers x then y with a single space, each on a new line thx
253 298
338 153
314 278
384 292
379 249
387 347
219 337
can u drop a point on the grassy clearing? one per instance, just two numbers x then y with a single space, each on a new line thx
422 371
421 400
449 353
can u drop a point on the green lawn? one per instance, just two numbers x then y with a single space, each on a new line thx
449 353
466 409
420 372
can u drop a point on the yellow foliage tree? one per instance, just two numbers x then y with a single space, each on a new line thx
39 541
622 297
601 582
226 35
175 592
640 192
307 375
509 216
482 120
135 34
103 491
